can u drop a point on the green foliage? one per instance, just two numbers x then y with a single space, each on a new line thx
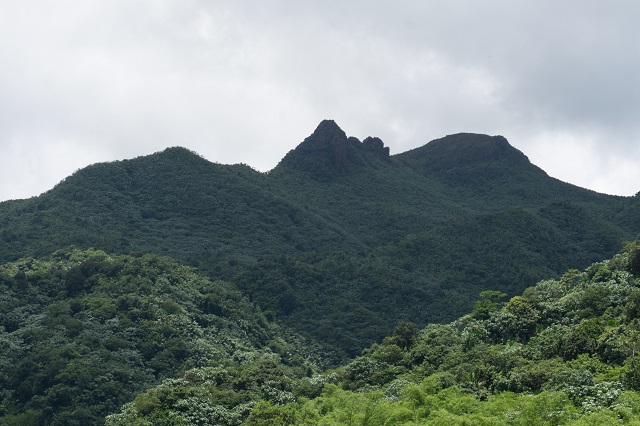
487 303
410 237
404 335
633 249
341 243
267 414
558 356
550 357
85 331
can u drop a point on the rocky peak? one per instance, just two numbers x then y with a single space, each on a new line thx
326 134
376 146
328 151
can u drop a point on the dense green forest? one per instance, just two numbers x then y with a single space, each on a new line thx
82 333
90 337
562 353
345 286
337 226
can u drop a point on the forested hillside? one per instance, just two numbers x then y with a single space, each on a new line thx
340 247
564 352
85 331
425 231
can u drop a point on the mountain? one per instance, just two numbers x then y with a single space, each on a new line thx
456 177
342 251
173 202
340 235
328 152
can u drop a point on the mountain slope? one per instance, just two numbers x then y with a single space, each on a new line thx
172 202
562 353
426 277
452 178
82 333
337 216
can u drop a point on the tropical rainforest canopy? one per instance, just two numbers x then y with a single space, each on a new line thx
453 283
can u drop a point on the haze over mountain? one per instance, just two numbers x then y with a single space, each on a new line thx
339 235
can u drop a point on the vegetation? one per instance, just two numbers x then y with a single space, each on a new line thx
427 277
82 333
340 235
412 276
562 353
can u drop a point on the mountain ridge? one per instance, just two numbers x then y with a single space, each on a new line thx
464 149
403 224
340 252
456 150
328 152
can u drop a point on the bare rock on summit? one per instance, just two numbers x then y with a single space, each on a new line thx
376 146
328 153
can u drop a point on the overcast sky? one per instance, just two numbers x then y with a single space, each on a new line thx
244 82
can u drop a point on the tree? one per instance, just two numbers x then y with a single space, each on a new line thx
634 256
267 414
404 335
487 303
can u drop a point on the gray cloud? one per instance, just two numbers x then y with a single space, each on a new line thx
83 82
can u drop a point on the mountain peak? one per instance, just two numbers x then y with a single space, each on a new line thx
177 153
466 149
376 146
329 128
328 152
328 135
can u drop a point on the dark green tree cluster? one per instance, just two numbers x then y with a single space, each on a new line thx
427 277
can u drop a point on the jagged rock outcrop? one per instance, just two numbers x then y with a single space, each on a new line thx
376 146
328 152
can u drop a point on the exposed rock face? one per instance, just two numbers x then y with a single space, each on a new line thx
376 146
327 134
328 152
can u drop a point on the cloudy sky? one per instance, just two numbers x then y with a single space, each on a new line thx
101 80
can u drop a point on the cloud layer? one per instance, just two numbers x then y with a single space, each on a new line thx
83 82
